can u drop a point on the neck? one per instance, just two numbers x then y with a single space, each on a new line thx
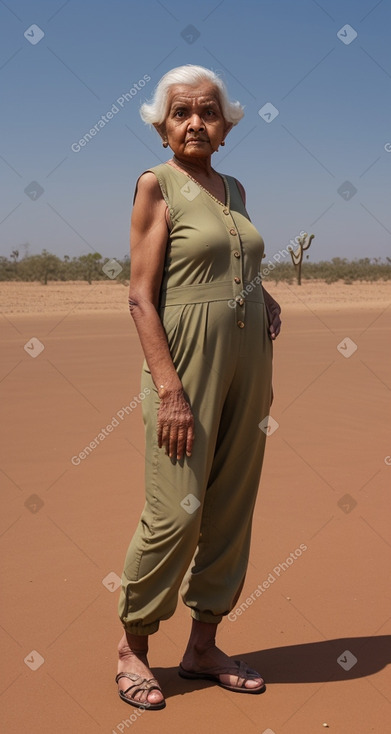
196 166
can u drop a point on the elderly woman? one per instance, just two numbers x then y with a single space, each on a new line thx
206 327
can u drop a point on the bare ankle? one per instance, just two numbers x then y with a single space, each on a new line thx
133 645
200 647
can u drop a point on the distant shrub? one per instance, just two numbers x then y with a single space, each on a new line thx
48 267
334 270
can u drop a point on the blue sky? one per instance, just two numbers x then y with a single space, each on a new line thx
332 93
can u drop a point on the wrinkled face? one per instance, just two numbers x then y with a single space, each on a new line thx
194 125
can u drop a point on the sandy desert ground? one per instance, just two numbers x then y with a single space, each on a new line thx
319 632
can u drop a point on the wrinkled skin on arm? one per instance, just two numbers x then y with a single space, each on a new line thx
148 236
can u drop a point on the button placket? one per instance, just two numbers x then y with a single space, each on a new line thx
237 270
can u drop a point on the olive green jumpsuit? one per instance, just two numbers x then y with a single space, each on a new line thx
194 531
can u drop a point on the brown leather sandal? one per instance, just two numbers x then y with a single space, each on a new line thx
140 684
241 670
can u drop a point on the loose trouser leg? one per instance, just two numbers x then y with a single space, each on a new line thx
168 532
180 496
163 544
213 584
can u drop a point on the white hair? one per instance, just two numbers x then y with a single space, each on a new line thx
155 111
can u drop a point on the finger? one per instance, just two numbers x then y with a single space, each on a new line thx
159 434
165 435
275 326
181 442
172 441
270 318
189 440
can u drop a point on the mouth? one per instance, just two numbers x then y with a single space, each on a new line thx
196 140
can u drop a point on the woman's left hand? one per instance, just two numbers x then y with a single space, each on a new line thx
273 311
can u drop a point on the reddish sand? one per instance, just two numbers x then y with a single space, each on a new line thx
319 631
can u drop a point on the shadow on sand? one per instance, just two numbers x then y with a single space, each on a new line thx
308 663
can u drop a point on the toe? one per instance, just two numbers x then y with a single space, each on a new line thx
155 697
254 683
139 697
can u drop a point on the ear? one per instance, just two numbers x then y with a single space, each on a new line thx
161 129
228 128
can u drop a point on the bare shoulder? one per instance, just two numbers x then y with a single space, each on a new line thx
149 209
148 187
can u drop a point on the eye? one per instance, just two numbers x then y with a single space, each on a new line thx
179 113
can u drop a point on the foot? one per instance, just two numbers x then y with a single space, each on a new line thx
201 660
136 663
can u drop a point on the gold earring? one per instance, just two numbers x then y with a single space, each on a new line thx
165 144
222 142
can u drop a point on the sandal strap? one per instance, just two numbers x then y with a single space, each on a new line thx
139 683
238 668
244 673
137 679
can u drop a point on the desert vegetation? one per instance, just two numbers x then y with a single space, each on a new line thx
92 267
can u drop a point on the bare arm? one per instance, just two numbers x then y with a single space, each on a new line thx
148 236
272 307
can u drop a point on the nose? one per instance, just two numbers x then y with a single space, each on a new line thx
196 124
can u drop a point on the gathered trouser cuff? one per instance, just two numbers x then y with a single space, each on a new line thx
206 616
142 629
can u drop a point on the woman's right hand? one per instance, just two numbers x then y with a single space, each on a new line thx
175 424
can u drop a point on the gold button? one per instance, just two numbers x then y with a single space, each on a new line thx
225 211
236 253
232 231
237 280
240 324
239 300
